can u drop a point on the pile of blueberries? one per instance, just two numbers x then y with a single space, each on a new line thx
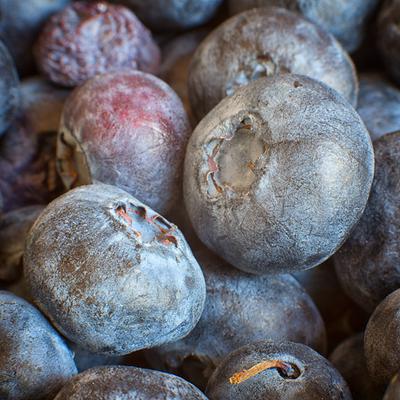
268 131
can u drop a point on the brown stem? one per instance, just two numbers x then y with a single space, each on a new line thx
285 369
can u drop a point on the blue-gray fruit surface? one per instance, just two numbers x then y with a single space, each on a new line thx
382 340
261 43
346 20
240 309
35 362
278 174
21 21
378 105
173 14
9 89
128 383
111 274
348 358
279 371
368 264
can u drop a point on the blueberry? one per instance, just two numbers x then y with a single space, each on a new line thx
240 309
393 391
20 23
9 89
346 20
264 175
35 362
389 37
262 43
349 360
368 265
117 382
14 227
173 14
111 274
276 370
382 340
127 129
379 105
90 38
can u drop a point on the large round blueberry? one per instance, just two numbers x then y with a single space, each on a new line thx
278 174
279 371
110 273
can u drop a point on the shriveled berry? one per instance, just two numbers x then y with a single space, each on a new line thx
90 38
111 274
346 20
262 43
368 264
240 309
276 370
126 129
35 362
130 383
277 175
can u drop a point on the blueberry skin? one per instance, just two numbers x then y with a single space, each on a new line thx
266 42
129 383
348 358
378 105
14 227
9 89
35 362
389 37
318 379
368 264
263 178
173 14
382 340
240 308
393 390
20 23
111 274
346 20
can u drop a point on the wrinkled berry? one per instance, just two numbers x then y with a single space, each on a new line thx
117 382
9 89
368 264
382 340
240 309
277 175
346 20
262 43
90 38
35 362
279 371
111 274
126 129
14 227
